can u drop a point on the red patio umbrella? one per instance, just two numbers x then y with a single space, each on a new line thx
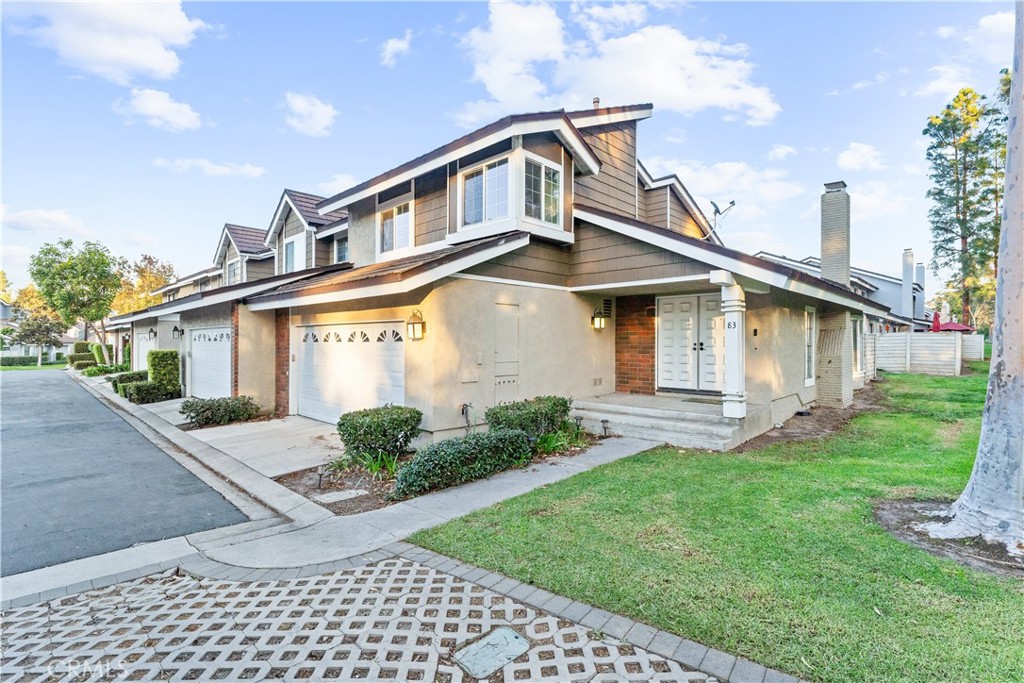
935 322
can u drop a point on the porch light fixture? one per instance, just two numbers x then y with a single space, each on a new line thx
177 332
599 319
415 326
152 333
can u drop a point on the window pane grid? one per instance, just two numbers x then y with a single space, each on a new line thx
485 193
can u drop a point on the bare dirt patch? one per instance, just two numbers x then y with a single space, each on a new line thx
821 422
950 433
901 518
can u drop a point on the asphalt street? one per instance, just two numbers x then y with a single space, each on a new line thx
76 480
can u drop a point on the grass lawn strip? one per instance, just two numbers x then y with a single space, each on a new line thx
774 554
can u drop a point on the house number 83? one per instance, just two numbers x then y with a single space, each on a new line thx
731 325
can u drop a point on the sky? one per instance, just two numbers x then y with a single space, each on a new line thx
148 126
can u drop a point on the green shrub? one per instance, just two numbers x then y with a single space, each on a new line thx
388 430
126 377
462 459
208 411
97 352
164 369
145 392
83 364
536 416
97 370
14 361
81 347
59 356
127 354
75 357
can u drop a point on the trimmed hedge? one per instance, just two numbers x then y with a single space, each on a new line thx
124 378
97 352
81 347
221 411
462 459
97 370
75 357
536 416
388 430
15 361
164 369
83 364
144 392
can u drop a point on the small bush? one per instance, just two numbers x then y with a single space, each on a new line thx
145 392
59 356
126 377
388 430
75 357
462 459
127 354
15 361
81 347
536 417
164 368
221 411
97 352
83 364
97 370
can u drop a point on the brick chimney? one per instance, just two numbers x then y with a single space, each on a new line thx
835 233
907 298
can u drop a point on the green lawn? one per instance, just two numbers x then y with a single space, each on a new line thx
46 366
774 554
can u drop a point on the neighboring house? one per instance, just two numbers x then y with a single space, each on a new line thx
242 256
201 281
302 238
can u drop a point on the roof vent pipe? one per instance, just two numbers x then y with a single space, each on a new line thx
597 103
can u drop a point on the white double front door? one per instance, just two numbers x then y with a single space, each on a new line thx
691 342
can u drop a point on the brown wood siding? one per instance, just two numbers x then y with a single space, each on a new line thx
292 225
453 198
544 145
539 263
641 202
600 256
656 206
614 188
430 212
308 240
230 255
256 270
682 220
324 251
279 259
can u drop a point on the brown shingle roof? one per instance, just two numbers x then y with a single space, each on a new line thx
306 205
247 240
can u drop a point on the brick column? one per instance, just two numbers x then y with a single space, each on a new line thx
282 359
834 376
634 345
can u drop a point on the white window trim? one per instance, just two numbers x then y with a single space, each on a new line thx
555 166
812 311
461 208
407 198
300 253
858 326
334 249
227 271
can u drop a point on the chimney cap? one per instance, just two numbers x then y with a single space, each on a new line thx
597 103
837 186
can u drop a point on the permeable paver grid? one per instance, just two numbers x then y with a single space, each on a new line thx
393 620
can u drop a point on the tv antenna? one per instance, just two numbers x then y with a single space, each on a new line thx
717 214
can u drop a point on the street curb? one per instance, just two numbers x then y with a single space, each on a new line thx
279 498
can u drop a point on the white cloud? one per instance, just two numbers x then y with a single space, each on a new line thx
880 78
947 80
598 20
989 41
210 168
859 156
339 182
875 199
393 47
780 152
680 74
114 40
676 136
945 32
56 222
159 110
309 115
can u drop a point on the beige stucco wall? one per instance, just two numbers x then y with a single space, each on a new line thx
164 338
362 227
256 355
559 352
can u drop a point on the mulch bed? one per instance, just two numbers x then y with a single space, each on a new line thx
306 483
901 518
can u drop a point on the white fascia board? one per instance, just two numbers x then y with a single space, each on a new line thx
725 262
213 299
393 288
220 247
272 232
630 284
587 160
586 121
182 282
341 227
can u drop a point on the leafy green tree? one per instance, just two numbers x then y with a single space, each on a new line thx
79 284
38 330
966 187
139 281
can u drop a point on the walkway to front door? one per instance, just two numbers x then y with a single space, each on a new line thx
691 343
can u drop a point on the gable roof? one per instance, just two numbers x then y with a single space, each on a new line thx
673 181
198 275
248 242
814 268
600 116
737 262
388 277
304 205
519 124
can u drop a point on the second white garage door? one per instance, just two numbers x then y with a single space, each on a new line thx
340 368
211 362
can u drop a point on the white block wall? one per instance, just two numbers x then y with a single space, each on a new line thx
974 346
927 353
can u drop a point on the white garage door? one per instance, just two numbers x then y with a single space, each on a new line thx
143 345
340 368
211 362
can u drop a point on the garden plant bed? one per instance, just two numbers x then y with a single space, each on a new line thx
377 493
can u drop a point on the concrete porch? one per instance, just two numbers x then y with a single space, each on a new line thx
680 420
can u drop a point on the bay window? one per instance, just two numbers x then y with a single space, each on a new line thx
485 193
543 192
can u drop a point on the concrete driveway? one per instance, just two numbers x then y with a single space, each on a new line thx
276 447
79 481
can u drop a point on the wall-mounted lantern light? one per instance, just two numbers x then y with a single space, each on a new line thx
177 332
152 333
415 326
599 319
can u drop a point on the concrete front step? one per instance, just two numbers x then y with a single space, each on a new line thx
712 430
643 411
680 439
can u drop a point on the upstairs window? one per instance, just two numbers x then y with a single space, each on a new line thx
289 257
294 253
395 228
234 268
341 249
485 193
171 296
543 192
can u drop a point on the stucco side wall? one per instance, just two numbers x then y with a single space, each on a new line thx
256 355
218 315
362 233
164 338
